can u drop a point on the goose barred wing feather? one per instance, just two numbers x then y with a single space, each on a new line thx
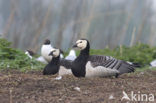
112 63
101 60
66 63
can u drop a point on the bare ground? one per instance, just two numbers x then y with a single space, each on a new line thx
33 87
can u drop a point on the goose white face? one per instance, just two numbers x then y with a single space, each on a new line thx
81 44
55 52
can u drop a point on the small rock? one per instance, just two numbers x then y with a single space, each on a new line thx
26 97
77 89
111 97
60 99
141 73
58 78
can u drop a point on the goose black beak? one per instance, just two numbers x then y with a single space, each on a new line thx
51 54
74 46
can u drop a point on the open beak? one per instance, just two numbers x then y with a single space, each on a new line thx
74 46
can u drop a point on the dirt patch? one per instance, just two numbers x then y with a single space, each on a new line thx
33 87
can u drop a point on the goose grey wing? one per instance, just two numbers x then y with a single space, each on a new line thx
66 63
112 63
106 61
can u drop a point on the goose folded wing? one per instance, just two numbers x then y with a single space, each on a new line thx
104 61
66 63
110 62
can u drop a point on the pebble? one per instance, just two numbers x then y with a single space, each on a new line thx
111 97
77 89
58 78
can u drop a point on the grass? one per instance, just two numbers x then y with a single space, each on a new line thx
145 68
11 58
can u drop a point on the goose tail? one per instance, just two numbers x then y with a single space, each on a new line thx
126 68
137 65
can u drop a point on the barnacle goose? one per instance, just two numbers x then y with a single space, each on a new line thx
86 65
46 49
30 54
71 55
57 65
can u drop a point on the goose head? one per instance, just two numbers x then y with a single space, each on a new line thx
30 52
81 44
46 42
55 53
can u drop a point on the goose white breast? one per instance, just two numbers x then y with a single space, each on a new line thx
99 71
45 50
64 71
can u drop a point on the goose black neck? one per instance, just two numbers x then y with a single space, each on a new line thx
78 66
55 60
85 51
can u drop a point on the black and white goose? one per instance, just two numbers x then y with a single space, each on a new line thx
46 49
57 65
86 65
31 54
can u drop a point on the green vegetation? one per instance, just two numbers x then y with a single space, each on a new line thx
11 58
16 59
140 53
145 68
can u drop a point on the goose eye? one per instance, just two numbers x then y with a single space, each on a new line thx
81 42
